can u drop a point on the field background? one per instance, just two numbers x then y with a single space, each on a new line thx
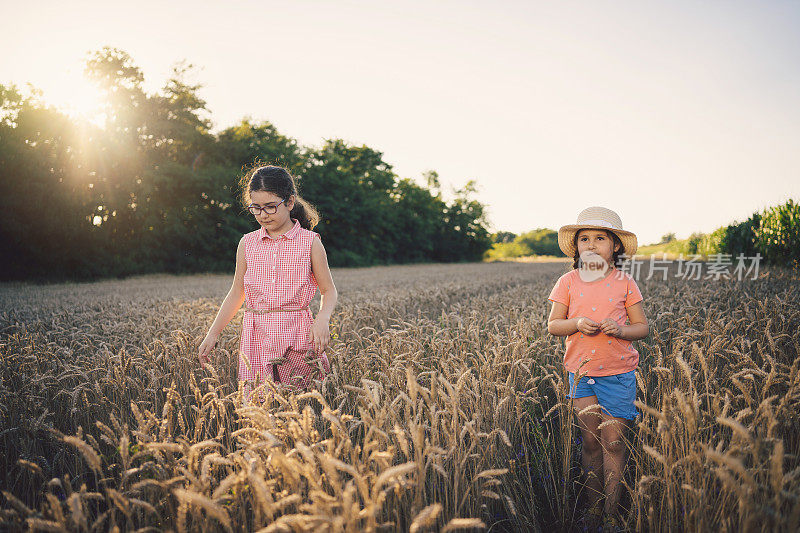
445 408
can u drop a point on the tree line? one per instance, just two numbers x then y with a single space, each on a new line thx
506 245
773 233
154 190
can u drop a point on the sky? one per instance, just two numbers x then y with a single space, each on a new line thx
682 116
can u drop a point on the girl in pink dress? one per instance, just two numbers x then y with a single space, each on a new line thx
279 268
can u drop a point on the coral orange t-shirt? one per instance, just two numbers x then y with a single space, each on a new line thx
600 299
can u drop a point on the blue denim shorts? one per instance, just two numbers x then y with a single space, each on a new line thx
615 394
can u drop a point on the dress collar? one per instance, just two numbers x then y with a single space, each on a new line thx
291 234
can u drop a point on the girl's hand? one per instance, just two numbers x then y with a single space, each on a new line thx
610 327
587 326
204 352
320 334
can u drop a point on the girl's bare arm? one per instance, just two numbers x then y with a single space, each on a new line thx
320 331
233 301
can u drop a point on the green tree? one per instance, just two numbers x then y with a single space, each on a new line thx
155 190
504 237
352 187
464 235
47 203
740 238
247 143
541 241
155 180
417 224
694 243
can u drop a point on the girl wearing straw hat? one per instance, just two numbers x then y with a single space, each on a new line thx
599 310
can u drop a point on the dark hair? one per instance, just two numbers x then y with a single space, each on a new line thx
611 235
278 181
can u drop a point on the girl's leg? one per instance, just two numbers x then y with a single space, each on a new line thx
592 451
613 445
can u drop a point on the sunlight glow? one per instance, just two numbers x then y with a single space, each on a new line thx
76 96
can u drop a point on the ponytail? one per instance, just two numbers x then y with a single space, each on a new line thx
304 213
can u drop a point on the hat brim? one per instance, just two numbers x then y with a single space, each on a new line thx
566 238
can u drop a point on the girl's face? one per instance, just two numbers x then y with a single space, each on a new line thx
272 222
596 241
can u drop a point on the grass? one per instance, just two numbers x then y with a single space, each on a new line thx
672 248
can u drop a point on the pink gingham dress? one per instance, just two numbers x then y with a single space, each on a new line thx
279 276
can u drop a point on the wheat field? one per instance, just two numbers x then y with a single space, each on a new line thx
445 409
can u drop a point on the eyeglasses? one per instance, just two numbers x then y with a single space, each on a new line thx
268 209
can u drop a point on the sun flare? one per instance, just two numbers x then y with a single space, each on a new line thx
78 97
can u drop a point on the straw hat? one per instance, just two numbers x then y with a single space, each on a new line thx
596 218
